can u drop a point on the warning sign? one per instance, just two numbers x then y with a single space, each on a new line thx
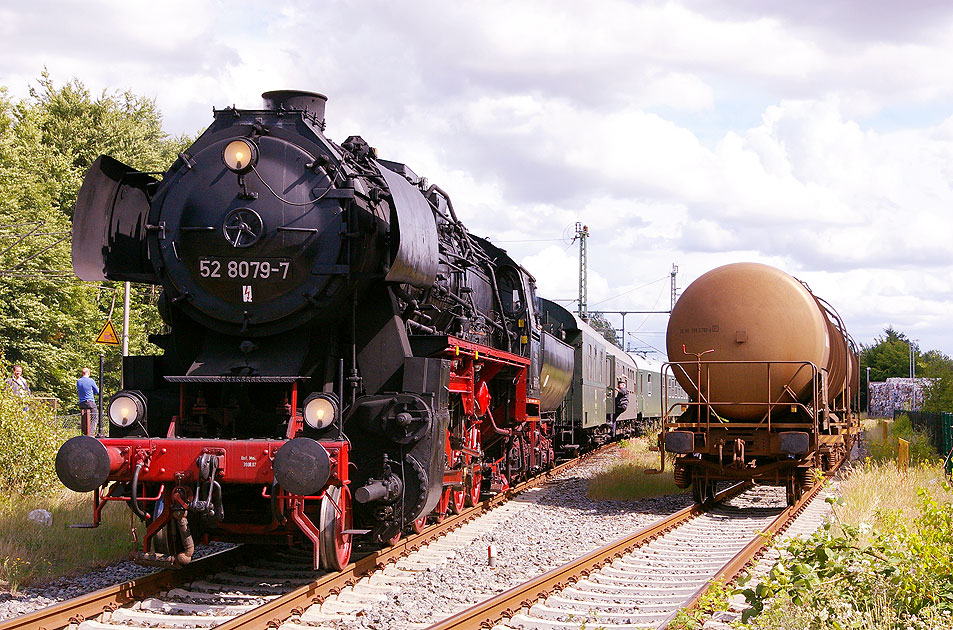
108 335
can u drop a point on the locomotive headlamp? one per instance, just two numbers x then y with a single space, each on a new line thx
240 155
125 408
320 410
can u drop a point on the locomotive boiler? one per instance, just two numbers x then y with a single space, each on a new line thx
341 356
772 376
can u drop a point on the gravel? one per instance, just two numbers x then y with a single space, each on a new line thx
35 598
552 526
548 527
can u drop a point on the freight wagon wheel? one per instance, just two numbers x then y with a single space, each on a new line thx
336 518
793 490
702 490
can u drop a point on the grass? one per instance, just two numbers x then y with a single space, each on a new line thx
31 554
875 487
625 478
920 448
877 503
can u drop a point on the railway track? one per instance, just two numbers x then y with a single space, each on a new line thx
232 590
640 581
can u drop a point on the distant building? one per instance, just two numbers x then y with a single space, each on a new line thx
901 394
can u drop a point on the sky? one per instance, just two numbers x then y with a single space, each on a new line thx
813 136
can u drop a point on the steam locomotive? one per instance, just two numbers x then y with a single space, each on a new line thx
341 356
773 381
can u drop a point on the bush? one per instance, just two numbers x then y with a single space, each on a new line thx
894 573
30 435
921 450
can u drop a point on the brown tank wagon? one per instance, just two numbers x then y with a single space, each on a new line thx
772 376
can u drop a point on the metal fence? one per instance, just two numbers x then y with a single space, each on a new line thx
939 426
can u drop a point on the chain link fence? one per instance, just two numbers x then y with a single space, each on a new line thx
939 426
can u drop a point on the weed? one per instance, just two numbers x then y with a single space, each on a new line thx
625 478
885 561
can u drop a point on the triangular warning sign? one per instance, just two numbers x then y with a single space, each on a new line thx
108 335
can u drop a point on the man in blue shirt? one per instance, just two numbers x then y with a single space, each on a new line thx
87 391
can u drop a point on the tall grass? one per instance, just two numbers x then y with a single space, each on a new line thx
921 450
873 488
625 478
31 553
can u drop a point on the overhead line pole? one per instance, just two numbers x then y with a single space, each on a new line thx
582 233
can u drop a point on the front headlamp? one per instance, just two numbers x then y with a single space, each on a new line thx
126 408
240 155
320 410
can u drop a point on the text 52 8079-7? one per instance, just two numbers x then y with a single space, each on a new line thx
245 268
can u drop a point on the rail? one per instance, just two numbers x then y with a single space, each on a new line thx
79 609
275 611
506 604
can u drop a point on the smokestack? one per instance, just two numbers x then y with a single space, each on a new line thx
311 102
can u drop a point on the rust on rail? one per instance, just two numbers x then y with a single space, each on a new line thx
503 605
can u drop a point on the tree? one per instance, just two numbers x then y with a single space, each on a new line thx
48 318
938 395
600 323
888 357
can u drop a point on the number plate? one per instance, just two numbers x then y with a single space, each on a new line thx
273 269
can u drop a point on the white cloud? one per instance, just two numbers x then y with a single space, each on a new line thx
820 141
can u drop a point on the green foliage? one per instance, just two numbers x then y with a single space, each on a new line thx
838 575
29 439
938 395
716 598
605 327
921 449
888 357
48 318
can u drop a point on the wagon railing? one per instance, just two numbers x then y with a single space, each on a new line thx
698 377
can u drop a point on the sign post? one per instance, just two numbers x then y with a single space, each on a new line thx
108 337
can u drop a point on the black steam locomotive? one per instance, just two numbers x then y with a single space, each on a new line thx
342 356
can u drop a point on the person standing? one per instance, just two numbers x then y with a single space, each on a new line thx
621 404
87 390
17 383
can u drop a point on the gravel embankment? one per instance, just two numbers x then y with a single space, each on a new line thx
548 527
30 599
552 526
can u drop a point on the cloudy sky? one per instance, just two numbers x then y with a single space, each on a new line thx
815 136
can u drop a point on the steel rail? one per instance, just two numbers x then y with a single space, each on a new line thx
754 549
508 603
273 613
110 598
750 552
79 609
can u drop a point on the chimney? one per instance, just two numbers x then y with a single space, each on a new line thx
311 102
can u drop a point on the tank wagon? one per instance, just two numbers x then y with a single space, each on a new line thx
772 378
586 417
341 357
